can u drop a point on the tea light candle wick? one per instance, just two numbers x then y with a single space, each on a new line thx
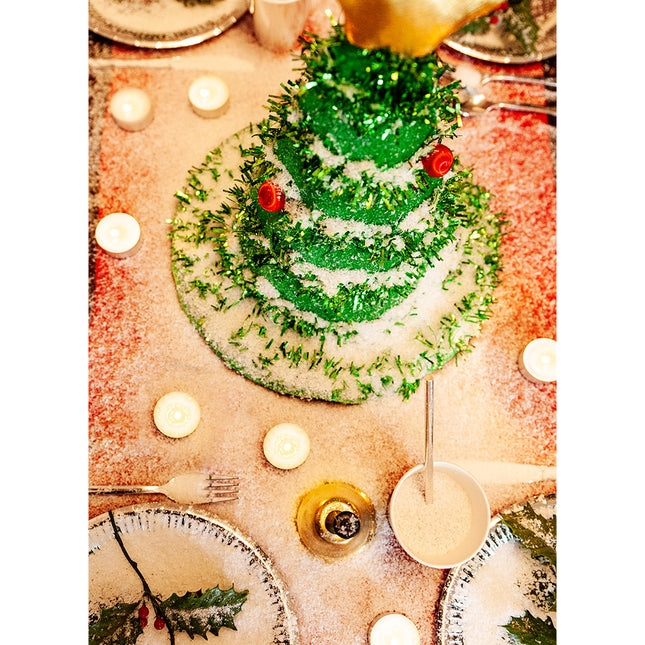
286 446
394 629
176 414
118 234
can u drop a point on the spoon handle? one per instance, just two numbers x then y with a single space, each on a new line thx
428 471
121 490
521 107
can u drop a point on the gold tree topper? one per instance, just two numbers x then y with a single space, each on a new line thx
409 27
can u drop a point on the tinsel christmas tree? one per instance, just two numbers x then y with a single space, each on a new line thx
338 250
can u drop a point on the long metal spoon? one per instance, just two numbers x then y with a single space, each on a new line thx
429 464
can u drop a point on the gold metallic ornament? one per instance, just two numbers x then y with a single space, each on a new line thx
409 27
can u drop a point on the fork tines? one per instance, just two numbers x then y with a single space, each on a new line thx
223 487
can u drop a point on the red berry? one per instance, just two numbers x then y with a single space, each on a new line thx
144 621
438 162
271 197
159 623
494 20
143 611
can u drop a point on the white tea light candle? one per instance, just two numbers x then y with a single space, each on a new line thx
118 234
176 414
131 108
394 629
537 362
208 96
286 446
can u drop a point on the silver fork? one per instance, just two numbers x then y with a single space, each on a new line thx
473 103
191 488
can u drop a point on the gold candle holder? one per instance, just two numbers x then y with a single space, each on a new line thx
335 520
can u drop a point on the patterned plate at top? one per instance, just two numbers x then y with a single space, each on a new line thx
500 581
498 46
178 551
162 24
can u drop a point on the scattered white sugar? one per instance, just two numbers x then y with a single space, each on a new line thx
261 240
336 226
233 245
418 219
282 176
336 184
401 175
309 317
291 190
329 280
299 213
496 593
318 148
430 530
421 152
294 115
271 157
266 288
398 243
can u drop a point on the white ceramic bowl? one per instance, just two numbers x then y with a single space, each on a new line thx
470 544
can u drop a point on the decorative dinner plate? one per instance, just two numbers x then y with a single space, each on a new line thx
500 581
498 46
176 551
162 24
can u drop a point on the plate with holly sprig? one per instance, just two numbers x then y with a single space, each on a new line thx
165 574
506 593
162 24
517 31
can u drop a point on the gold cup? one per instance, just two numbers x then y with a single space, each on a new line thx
409 27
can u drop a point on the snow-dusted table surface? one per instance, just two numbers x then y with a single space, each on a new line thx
142 345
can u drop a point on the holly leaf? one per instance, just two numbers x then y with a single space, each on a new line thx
537 533
530 630
198 612
118 625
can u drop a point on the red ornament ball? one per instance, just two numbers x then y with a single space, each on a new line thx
271 197
438 162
